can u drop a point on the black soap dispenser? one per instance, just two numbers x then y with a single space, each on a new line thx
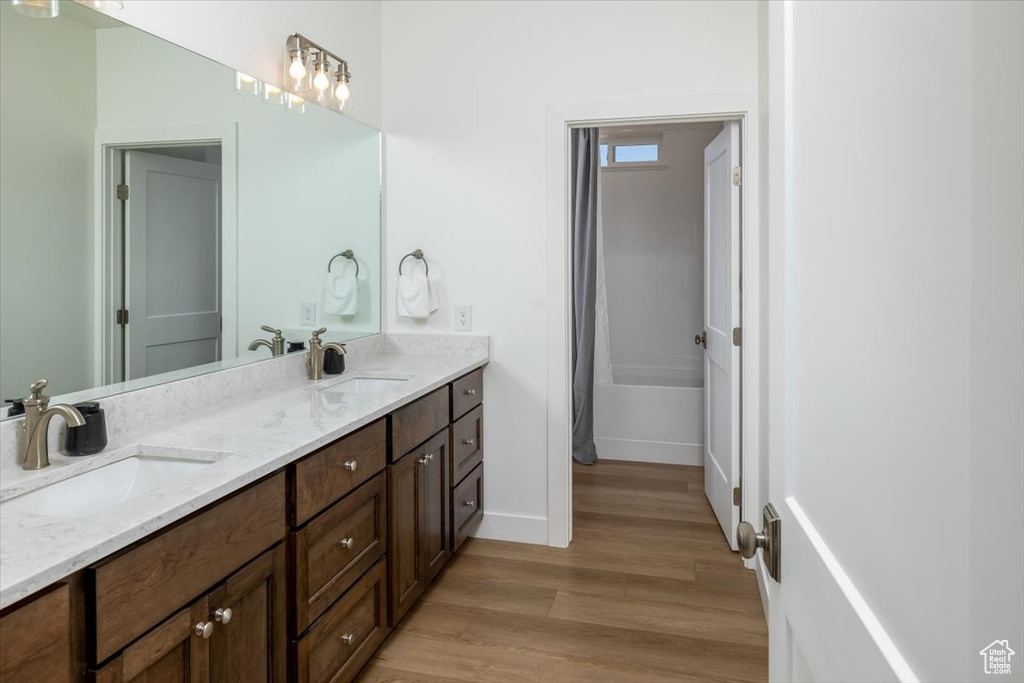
91 437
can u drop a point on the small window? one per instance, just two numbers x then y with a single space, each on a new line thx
631 153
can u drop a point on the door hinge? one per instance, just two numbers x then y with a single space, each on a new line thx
737 176
737 496
121 317
737 336
122 192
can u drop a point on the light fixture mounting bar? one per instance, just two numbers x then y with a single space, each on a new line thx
307 44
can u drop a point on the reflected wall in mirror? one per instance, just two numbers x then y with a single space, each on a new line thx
156 210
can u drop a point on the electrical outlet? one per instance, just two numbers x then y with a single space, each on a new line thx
307 314
463 318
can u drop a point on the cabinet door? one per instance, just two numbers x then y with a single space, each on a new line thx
35 639
434 505
174 651
248 610
406 571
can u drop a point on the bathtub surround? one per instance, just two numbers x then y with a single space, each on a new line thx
251 421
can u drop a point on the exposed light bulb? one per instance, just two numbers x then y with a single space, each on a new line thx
342 92
297 70
320 81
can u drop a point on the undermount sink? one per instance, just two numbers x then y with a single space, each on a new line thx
92 492
366 385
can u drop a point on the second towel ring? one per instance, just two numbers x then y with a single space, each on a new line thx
348 253
418 255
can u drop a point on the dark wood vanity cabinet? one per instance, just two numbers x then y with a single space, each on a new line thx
298 577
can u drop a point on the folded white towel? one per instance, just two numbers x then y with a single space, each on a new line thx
341 291
414 300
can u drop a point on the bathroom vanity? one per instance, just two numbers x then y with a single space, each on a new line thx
297 575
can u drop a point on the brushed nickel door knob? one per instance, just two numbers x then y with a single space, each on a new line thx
701 339
223 615
347 543
351 465
749 540
204 629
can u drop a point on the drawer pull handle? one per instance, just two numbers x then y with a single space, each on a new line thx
347 543
204 629
469 503
351 465
223 615
348 638
470 392
468 442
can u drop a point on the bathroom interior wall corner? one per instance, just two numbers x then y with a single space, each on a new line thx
238 32
466 171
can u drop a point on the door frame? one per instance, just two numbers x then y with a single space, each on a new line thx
560 119
106 295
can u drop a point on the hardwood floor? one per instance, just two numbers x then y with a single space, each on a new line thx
648 591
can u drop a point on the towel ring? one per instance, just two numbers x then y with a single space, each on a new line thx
418 255
347 254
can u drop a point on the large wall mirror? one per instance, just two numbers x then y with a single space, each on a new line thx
157 209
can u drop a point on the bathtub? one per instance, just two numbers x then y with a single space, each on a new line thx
651 415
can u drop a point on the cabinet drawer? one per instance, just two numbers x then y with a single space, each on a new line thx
138 588
35 639
346 636
330 473
467 392
467 444
418 421
331 552
467 506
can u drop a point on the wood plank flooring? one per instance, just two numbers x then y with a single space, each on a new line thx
647 591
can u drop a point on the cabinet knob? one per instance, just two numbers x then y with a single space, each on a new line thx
348 638
347 543
430 456
204 629
470 392
468 442
223 615
469 503
423 461
351 465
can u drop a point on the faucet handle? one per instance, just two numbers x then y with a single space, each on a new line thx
316 335
268 328
36 396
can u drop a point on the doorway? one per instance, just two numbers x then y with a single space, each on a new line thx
665 276
166 274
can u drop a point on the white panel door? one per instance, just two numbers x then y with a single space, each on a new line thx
172 231
721 315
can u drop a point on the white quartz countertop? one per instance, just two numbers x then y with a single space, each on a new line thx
248 439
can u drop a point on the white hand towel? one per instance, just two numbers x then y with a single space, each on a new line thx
341 292
414 294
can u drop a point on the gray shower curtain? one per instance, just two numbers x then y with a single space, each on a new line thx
585 166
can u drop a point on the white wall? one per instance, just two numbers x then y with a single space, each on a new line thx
250 36
308 184
653 223
48 114
996 332
466 85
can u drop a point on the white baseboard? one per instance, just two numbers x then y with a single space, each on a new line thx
650 451
517 528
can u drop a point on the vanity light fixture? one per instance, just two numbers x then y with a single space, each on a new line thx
246 84
41 9
272 94
294 103
326 81
102 5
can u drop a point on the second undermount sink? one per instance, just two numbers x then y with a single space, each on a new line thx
100 489
366 385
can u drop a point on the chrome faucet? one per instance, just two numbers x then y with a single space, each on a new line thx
276 344
315 364
38 414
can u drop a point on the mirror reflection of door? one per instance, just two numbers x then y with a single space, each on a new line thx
171 242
